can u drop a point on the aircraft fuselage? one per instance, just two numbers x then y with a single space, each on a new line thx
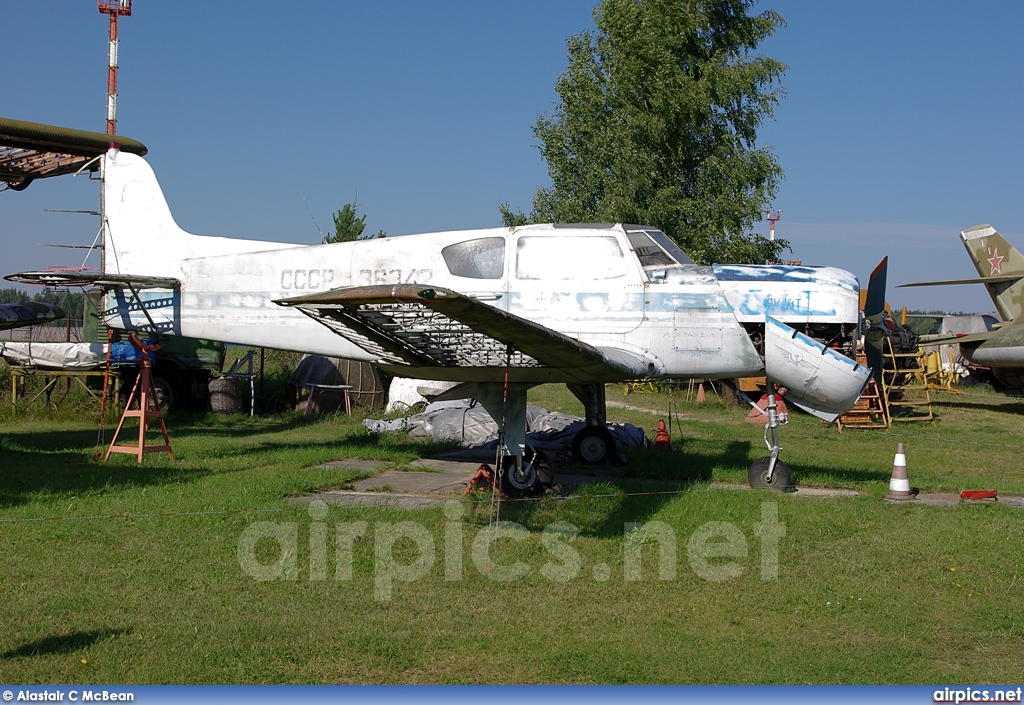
605 285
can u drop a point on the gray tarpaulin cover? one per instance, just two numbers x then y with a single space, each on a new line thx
55 356
468 423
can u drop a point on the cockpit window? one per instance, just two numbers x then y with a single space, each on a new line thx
648 252
569 257
476 259
664 242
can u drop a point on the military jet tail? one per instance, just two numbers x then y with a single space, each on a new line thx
1000 266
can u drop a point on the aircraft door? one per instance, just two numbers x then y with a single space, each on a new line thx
574 281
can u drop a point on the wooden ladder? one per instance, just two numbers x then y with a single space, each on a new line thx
870 409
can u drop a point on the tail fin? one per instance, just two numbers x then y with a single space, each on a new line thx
140 235
993 256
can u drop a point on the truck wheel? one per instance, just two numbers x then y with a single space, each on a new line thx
165 394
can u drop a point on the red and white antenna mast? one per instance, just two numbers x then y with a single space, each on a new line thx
114 8
773 218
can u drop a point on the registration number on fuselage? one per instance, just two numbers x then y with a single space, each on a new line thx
314 279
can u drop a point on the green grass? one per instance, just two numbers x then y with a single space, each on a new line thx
866 592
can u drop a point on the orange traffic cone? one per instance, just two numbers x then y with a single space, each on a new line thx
760 414
661 439
701 396
899 484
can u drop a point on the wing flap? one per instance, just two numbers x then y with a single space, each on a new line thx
409 324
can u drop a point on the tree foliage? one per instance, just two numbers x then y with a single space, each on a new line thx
657 124
348 226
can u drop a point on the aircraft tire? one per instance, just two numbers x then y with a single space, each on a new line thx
524 484
756 475
593 445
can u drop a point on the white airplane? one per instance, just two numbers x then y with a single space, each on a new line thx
498 310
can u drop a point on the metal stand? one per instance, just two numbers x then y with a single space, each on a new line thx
145 393
314 386
249 375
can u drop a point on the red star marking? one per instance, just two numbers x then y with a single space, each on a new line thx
994 260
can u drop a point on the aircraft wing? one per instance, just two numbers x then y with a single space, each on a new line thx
27 314
418 326
30 151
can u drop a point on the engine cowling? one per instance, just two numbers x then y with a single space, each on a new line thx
819 380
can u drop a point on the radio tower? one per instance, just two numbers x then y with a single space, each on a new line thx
114 8
773 218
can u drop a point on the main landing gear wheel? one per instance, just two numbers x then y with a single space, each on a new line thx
593 445
757 475
533 478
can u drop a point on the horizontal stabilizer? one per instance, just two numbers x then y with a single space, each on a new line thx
1002 279
59 276
959 338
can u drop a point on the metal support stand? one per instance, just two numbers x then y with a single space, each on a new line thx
145 393
246 361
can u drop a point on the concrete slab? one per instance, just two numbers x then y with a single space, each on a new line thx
363 465
450 473
934 499
939 499
797 491
445 477
431 481
824 492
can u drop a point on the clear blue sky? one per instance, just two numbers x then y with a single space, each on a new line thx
900 127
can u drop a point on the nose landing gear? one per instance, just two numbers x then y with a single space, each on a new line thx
770 472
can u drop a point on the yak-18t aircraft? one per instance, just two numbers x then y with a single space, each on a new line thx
497 310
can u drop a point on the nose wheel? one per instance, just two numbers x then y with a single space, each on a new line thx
758 477
532 475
